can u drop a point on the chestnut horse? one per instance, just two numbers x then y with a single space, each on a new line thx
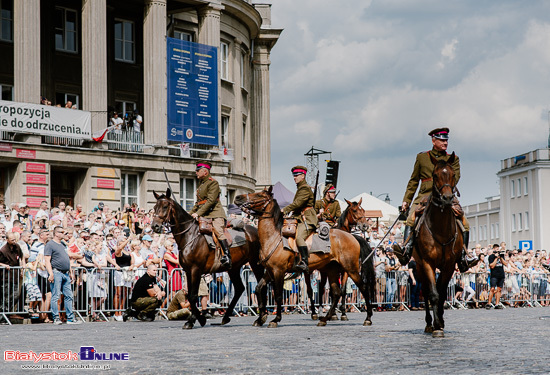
352 217
346 254
438 244
197 258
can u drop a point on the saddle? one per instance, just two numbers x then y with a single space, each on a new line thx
417 214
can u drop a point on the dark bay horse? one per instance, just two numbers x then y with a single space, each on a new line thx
352 217
438 244
346 254
197 258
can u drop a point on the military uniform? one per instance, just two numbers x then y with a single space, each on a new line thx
208 205
331 208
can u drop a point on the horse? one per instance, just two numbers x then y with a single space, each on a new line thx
438 244
352 217
346 253
196 258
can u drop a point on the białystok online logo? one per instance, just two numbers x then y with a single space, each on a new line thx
86 353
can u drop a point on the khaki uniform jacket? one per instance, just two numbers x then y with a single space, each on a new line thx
208 199
422 173
303 199
332 210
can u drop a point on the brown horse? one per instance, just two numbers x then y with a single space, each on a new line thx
346 254
438 244
352 217
197 258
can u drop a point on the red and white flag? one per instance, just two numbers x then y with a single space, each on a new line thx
99 135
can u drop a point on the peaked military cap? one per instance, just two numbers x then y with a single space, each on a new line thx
203 164
299 169
440 133
329 188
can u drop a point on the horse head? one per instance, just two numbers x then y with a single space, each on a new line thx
356 215
443 180
255 203
163 210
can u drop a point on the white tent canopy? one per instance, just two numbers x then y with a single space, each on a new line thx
369 202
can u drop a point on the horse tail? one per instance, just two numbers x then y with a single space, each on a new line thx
368 275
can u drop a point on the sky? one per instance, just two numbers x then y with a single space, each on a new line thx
367 80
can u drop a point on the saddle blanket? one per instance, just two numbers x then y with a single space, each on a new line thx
317 245
238 237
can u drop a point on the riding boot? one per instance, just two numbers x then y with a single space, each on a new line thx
465 261
302 266
404 255
226 257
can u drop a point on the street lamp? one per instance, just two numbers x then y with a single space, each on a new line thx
387 199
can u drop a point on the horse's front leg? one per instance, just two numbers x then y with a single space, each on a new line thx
426 292
278 281
261 293
193 281
335 292
343 316
307 280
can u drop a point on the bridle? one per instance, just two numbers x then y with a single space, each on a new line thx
165 221
247 206
437 199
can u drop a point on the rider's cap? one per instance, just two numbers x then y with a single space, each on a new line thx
329 189
299 169
440 133
203 164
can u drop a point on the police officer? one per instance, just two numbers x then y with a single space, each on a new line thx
328 208
302 210
209 206
422 173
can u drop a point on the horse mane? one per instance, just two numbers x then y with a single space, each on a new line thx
179 210
277 215
342 217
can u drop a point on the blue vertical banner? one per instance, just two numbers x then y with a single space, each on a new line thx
192 92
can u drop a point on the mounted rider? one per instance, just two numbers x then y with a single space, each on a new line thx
328 209
422 173
209 206
302 210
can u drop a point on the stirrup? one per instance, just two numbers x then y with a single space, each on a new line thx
403 254
225 261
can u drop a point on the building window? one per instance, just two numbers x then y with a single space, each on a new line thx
225 132
526 220
513 222
245 137
473 233
519 187
123 108
224 57
512 188
497 234
124 41
525 185
520 221
485 232
183 35
187 193
6 20
65 30
242 69
6 92
63 98
129 189
492 231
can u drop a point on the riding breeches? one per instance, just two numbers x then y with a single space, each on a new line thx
302 232
411 218
218 226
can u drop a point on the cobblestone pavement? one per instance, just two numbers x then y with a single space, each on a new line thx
514 341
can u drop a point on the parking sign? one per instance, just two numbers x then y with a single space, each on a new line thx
526 245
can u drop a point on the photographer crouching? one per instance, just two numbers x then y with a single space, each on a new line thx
496 264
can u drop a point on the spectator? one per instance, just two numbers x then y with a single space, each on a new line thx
69 104
62 211
138 121
116 122
415 285
496 264
2 234
171 259
123 279
2 213
146 297
42 275
69 217
24 217
98 290
43 211
59 270
138 263
380 271
392 265
34 296
10 256
179 307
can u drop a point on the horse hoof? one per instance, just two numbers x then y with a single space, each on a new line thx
225 320
438 333
202 320
344 318
428 329
272 325
321 323
334 317
314 317
367 323
187 326
257 323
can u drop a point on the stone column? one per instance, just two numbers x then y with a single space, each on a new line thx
260 121
240 164
27 51
209 24
94 61
154 71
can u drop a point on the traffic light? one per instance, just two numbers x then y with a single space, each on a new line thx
332 172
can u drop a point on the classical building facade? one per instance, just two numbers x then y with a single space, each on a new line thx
107 55
520 215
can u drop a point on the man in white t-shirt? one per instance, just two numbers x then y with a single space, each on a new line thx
43 210
138 120
117 123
